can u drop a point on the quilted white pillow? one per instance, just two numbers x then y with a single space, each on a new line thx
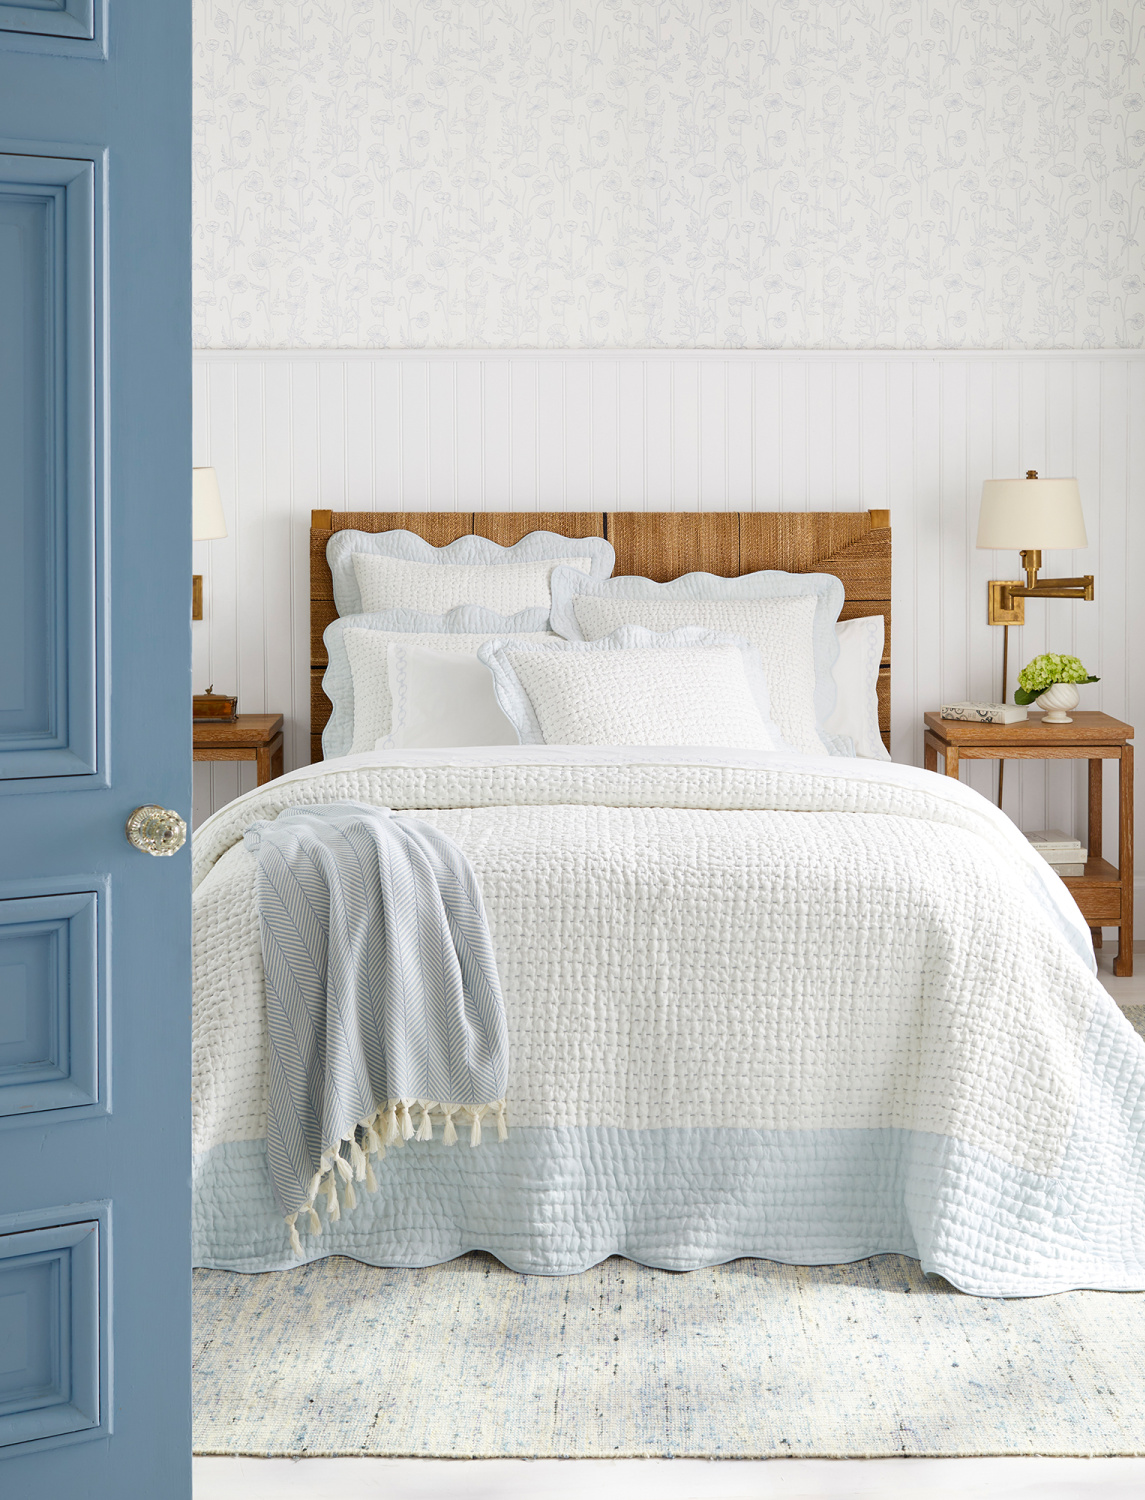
357 678
468 571
635 687
856 712
788 617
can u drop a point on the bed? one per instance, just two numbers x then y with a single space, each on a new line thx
804 1007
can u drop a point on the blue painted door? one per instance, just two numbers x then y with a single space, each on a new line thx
95 472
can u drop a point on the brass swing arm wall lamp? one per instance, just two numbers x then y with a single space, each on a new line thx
1026 515
1016 512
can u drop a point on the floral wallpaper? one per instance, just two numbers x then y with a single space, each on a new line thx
629 173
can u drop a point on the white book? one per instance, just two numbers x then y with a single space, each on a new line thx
985 713
1052 838
1073 868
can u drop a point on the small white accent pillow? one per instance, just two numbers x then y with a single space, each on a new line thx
441 699
362 565
788 617
856 712
635 687
357 678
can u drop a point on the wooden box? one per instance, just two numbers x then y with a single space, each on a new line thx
214 708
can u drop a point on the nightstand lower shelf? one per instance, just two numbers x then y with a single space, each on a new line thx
1097 892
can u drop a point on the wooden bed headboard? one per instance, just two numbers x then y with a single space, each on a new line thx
854 545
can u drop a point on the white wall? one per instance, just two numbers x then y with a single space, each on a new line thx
916 433
683 173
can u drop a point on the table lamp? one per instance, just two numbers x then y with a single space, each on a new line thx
207 524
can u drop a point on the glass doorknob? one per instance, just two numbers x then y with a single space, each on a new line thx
156 830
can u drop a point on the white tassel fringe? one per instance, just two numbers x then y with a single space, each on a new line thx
392 1125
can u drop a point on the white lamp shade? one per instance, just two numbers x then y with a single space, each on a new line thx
207 521
1031 513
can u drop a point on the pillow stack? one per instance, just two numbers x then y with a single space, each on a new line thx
478 644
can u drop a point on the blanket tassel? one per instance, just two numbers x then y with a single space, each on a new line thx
357 1159
502 1123
449 1135
374 1144
425 1129
333 1212
295 1242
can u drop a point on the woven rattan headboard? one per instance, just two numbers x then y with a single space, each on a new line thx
854 545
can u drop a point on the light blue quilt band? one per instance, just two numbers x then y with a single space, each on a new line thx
557 1201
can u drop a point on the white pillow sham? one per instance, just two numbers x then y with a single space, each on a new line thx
357 678
441 699
856 712
788 617
635 687
368 578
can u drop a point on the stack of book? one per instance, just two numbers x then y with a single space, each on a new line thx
1066 855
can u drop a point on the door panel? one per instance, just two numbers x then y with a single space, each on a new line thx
95 564
48 1015
47 356
53 1308
71 18
49 1331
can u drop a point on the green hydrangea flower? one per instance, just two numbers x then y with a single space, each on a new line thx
1041 673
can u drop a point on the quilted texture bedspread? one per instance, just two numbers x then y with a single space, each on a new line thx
793 1007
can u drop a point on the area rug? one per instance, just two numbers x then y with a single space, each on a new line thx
747 1360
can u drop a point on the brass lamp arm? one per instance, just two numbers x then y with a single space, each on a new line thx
1048 588
1007 599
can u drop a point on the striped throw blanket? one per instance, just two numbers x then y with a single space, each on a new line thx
382 997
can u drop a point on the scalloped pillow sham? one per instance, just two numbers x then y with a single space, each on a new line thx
855 716
357 677
635 687
375 571
788 617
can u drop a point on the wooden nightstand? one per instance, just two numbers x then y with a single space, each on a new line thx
1104 893
256 737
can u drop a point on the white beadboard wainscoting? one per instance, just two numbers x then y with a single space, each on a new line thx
915 432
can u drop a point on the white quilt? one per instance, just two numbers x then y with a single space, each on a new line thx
757 1004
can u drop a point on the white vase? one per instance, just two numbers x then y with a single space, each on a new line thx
1057 700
